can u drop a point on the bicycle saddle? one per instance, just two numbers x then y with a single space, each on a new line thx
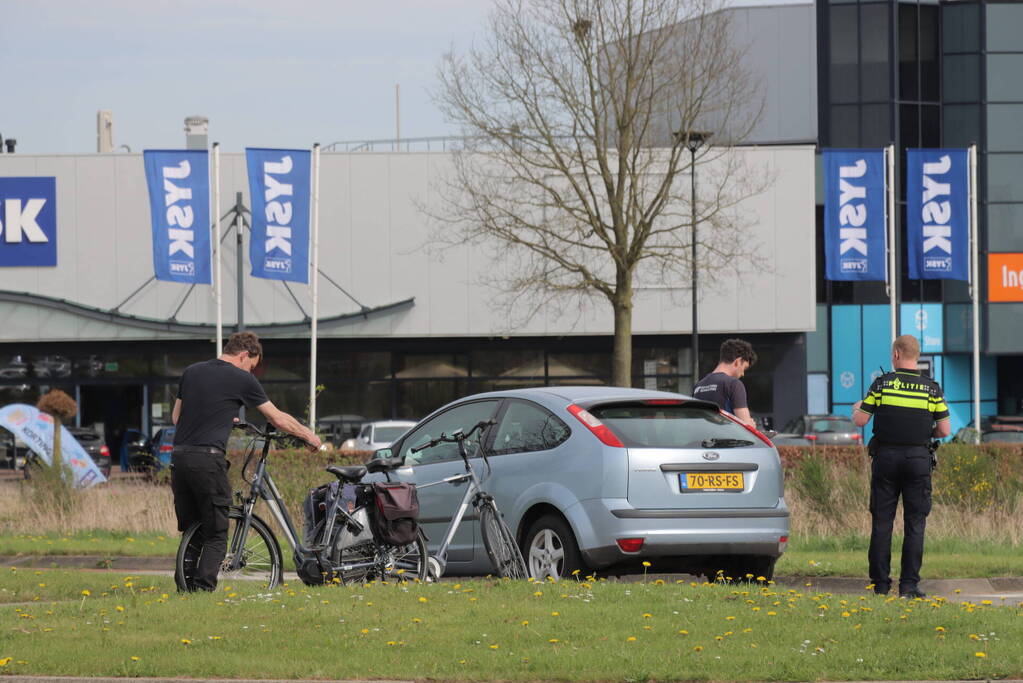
352 473
384 464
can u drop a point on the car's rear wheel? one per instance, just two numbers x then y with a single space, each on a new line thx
551 549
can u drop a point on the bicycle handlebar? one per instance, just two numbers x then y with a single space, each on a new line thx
268 433
456 436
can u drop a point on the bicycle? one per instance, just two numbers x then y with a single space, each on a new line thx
347 550
498 539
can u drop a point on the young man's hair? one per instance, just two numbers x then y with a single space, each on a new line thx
907 346
244 341
737 348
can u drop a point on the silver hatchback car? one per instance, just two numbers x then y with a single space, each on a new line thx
603 479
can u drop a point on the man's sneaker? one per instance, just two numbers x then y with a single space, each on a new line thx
881 589
912 593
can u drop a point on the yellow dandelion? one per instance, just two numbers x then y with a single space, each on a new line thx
86 592
495 646
980 654
939 629
575 572
772 614
729 618
134 658
186 641
647 615
391 642
525 623
683 632
421 599
698 648
645 563
5 661
537 594
555 614
630 639
553 640
986 602
364 631
416 620
119 608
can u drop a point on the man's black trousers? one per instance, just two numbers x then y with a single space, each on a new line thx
202 494
895 471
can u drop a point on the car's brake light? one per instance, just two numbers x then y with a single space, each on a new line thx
857 437
630 545
752 430
599 429
663 402
103 450
783 543
166 448
810 437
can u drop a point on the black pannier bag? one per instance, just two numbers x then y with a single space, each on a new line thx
395 511
314 508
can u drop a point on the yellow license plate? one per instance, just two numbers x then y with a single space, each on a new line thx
711 481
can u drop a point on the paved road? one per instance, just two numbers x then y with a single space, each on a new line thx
1001 591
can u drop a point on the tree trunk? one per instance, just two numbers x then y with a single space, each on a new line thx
621 357
57 461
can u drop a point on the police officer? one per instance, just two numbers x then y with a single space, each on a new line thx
908 410
209 396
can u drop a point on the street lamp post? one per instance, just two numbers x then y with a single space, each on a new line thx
694 140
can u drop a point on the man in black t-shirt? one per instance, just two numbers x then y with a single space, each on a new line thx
209 396
722 386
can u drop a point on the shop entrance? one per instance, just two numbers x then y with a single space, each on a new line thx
1010 385
118 407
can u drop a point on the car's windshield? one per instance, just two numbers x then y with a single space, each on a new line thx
673 426
832 425
388 434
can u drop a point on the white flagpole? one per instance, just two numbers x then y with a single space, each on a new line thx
889 153
218 289
314 281
975 290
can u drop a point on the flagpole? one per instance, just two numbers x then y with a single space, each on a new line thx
889 152
975 290
314 282
218 284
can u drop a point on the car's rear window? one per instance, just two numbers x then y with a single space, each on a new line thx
85 436
832 425
673 426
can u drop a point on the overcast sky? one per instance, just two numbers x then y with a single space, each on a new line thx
280 74
270 73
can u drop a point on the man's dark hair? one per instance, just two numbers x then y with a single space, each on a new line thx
737 348
244 341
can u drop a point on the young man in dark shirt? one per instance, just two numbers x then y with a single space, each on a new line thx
209 396
722 386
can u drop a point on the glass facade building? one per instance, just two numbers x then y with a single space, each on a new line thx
928 74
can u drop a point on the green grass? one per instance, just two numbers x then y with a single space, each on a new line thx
486 630
95 542
943 558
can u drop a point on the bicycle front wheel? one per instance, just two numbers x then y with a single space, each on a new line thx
254 557
499 541
369 560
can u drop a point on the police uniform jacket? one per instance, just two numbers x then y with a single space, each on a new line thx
905 405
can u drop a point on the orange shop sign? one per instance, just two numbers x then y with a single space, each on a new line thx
1005 277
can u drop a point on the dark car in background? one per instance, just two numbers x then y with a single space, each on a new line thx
819 430
94 445
993 429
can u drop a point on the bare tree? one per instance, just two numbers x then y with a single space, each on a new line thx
580 116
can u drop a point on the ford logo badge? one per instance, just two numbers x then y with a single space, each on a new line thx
710 455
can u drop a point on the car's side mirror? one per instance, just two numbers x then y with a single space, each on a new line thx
770 433
382 454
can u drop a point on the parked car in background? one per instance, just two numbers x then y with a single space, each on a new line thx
819 430
379 434
12 451
604 479
335 429
162 445
994 429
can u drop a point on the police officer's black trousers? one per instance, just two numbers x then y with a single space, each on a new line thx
895 471
202 494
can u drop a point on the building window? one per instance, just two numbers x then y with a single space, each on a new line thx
1005 78
961 80
1005 177
962 125
1004 27
874 53
960 27
1004 132
909 82
844 48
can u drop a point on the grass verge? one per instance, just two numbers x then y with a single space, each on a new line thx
489 630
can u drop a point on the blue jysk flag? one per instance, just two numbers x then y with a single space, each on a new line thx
855 235
179 201
937 214
279 187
